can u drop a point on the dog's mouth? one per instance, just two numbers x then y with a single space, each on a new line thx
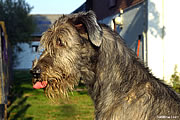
40 84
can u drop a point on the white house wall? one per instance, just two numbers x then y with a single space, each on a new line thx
163 37
171 38
26 57
155 41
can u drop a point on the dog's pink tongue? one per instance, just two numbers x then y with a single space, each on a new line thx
40 85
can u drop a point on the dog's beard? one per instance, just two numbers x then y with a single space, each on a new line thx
56 84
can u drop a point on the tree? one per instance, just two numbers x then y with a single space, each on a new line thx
19 24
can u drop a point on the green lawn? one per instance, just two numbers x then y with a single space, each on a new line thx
30 104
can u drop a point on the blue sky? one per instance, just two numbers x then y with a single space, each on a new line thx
54 6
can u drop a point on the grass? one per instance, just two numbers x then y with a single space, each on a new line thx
27 103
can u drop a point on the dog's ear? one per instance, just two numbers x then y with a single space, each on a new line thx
87 22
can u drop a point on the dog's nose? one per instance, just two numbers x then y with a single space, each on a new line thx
35 72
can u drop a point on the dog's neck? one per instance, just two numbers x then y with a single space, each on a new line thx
111 72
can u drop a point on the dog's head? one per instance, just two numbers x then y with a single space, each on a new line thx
69 52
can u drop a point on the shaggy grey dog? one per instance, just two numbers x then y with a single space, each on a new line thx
122 88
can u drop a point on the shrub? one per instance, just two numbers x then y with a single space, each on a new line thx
175 79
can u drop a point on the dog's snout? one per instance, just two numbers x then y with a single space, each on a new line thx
35 72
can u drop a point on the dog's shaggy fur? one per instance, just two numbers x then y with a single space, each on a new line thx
77 47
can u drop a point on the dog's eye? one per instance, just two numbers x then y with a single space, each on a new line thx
60 42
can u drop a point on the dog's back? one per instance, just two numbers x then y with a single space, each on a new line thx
128 91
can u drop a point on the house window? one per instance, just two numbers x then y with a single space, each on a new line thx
34 48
